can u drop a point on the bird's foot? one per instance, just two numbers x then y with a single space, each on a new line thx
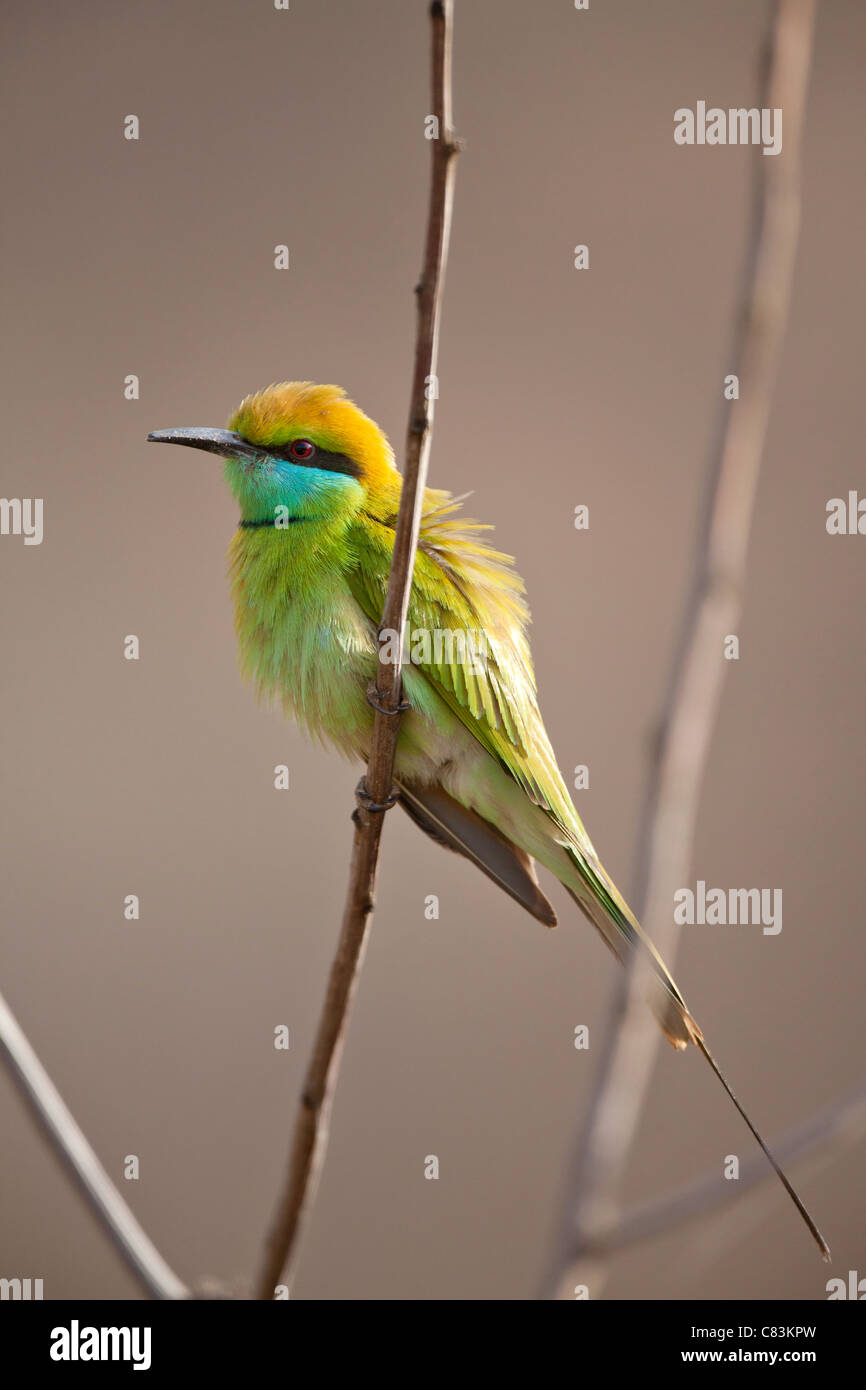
369 803
375 697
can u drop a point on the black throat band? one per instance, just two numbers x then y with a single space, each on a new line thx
271 521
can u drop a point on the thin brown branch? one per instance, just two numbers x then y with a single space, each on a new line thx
694 690
70 1144
310 1138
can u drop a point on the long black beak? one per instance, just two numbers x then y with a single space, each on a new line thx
214 441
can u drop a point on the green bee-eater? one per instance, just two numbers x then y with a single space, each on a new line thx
318 493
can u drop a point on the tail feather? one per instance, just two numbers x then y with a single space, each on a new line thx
664 997
608 911
600 900
507 857
464 831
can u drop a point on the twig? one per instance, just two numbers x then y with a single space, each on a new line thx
695 683
311 1127
841 1124
69 1143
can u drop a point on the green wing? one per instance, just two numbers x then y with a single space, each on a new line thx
463 585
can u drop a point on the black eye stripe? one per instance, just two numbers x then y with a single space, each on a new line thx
322 458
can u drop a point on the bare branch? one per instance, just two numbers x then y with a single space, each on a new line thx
374 794
69 1143
694 690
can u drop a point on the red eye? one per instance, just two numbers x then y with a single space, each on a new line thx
302 449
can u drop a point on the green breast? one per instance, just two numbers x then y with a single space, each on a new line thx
302 637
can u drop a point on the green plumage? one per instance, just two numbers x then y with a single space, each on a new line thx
308 600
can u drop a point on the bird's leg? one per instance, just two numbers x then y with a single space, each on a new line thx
363 797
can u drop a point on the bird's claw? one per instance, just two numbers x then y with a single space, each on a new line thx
374 696
369 803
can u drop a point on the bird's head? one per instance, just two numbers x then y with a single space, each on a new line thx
299 446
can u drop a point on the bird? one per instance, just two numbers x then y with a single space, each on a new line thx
319 491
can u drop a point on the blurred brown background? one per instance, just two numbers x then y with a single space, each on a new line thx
557 387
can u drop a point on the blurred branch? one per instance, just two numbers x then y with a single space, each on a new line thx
692 699
374 794
831 1129
69 1143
